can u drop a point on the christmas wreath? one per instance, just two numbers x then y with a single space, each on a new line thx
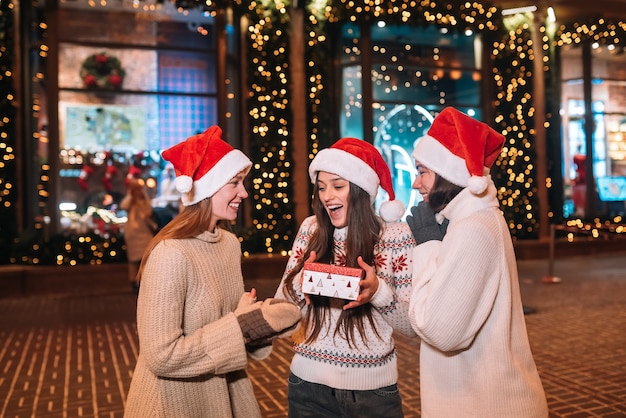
102 71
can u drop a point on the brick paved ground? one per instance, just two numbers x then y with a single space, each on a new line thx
73 355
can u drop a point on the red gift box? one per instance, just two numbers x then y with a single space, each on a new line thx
331 280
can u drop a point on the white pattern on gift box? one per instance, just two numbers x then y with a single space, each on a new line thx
331 280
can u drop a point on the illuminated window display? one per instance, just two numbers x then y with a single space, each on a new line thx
119 106
602 190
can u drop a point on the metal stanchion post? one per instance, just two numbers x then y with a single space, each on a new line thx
551 278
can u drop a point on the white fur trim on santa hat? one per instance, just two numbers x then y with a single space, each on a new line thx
348 166
225 169
391 211
433 155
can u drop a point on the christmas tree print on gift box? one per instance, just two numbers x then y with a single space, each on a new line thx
331 280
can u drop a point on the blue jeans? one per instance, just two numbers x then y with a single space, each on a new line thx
314 400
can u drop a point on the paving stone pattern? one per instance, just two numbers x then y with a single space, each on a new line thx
73 356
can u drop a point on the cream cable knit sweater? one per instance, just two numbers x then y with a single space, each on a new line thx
475 358
192 356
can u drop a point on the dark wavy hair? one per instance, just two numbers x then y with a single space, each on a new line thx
362 235
442 192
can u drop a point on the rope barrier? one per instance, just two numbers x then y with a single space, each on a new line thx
605 230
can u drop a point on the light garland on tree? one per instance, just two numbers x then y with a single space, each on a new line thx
8 132
270 119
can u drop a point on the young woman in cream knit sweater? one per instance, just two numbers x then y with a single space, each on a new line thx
196 325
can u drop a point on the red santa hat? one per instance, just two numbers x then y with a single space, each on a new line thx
133 173
360 163
203 164
459 149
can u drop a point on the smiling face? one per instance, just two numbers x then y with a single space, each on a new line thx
424 180
334 192
225 202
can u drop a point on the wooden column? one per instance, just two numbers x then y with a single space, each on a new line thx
299 136
51 93
220 31
590 189
539 94
366 82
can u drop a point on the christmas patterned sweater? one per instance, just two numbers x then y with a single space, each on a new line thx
363 365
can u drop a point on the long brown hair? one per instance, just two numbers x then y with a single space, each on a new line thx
139 199
361 239
191 221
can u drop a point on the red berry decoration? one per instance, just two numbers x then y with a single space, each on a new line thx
102 71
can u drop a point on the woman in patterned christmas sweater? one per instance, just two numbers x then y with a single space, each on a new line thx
345 355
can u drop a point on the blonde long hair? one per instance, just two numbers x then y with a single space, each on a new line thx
190 222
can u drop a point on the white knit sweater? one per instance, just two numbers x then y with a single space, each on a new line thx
331 361
192 356
475 358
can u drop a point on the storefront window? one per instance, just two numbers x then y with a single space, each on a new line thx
124 96
603 191
351 119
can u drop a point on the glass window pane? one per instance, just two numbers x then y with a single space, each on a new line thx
131 122
140 66
397 127
425 47
187 72
609 89
112 129
122 122
145 70
183 116
608 149
121 23
349 42
415 73
398 83
351 117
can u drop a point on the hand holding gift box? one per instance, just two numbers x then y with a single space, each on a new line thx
331 280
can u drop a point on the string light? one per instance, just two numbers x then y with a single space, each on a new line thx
269 115
8 131
268 106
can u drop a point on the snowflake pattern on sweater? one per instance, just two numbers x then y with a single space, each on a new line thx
369 364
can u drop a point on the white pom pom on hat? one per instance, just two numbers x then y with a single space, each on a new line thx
203 164
360 163
460 149
391 210
183 184
477 184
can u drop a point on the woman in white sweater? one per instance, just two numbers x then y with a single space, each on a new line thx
345 362
196 325
475 357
